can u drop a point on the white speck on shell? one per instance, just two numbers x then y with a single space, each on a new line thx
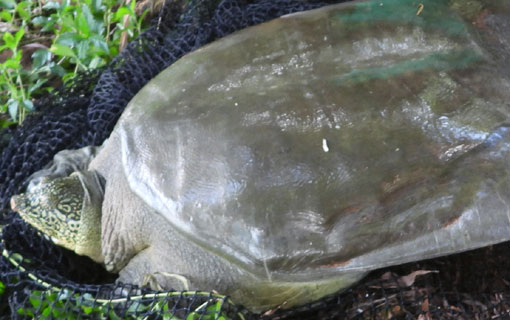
325 145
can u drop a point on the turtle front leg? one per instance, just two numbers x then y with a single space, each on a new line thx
142 270
122 235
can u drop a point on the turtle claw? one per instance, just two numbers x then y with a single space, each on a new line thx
115 255
164 281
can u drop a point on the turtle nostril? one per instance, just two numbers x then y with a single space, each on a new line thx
13 203
18 203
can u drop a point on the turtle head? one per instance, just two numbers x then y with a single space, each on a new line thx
54 208
61 209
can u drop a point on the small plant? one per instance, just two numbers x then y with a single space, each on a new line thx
14 92
53 302
63 304
50 43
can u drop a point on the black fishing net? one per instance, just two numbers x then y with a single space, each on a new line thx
41 280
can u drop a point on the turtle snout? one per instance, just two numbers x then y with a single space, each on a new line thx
13 203
17 203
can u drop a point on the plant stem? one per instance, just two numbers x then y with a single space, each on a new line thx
107 18
21 110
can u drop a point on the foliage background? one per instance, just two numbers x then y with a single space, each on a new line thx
45 44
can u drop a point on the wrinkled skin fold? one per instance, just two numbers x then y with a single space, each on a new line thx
283 162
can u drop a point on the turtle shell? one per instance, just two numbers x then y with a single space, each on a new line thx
349 137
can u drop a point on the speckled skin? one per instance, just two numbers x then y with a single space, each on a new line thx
68 209
55 204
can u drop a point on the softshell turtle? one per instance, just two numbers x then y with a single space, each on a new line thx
281 163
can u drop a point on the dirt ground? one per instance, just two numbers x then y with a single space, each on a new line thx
469 285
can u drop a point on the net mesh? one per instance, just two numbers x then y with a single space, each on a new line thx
42 280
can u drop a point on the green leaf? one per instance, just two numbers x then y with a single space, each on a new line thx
99 43
96 26
51 5
34 87
83 49
9 40
58 70
58 314
5 15
87 310
193 316
96 62
19 35
28 105
110 3
20 8
171 317
62 50
67 21
4 124
64 295
68 76
114 51
24 312
87 297
40 57
215 307
114 316
49 25
141 19
40 20
121 12
46 311
35 301
65 4
12 63
69 39
97 6
51 296
2 288
82 25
